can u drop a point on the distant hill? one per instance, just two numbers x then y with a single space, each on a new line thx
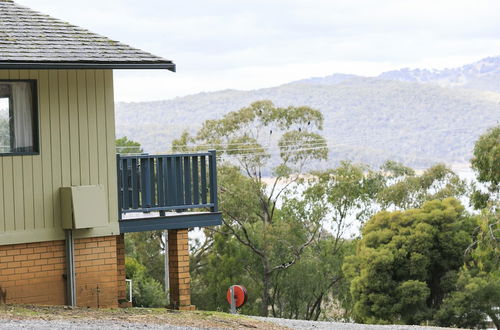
481 75
333 79
415 116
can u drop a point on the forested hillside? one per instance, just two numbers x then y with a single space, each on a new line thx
368 120
481 75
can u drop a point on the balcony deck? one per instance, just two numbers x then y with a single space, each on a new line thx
158 192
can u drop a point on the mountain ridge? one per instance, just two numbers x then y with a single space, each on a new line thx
367 119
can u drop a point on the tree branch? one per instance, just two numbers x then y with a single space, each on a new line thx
297 254
242 241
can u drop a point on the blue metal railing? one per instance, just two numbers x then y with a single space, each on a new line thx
162 183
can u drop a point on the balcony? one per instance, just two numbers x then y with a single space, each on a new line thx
158 192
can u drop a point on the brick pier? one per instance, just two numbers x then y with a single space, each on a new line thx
180 280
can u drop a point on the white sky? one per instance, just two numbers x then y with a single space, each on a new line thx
249 44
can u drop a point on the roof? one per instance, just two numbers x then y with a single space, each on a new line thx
31 40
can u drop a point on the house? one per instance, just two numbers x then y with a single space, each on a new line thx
63 189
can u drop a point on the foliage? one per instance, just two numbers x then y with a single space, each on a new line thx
316 279
146 291
487 157
485 163
126 146
405 189
224 263
477 292
281 224
315 288
147 248
348 191
246 139
407 261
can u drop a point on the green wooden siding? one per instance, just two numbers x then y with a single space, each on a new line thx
77 147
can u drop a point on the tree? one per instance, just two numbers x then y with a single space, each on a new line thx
216 267
405 189
145 266
407 261
126 146
477 292
485 163
246 139
316 286
316 279
147 248
146 291
346 192
340 197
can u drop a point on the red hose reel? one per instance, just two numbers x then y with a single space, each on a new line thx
240 295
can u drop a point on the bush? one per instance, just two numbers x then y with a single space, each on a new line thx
146 291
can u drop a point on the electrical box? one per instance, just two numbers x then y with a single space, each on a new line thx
83 207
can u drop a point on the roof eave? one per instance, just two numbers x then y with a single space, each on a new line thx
87 65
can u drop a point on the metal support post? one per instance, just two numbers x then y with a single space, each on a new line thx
167 269
233 302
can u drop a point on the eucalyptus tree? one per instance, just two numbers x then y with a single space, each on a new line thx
405 189
315 288
477 293
265 150
485 163
341 197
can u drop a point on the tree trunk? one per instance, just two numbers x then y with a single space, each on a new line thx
264 308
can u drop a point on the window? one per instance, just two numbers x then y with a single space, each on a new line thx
18 117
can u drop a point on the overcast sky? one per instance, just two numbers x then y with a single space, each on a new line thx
248 44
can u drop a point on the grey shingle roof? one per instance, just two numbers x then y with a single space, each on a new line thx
29 39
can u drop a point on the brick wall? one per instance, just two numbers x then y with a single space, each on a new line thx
96 272
33 273
180 280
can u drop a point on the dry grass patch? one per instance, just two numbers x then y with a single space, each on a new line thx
158 316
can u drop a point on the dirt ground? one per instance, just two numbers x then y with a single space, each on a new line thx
156 316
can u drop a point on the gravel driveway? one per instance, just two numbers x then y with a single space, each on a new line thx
82 325
318 325
115 325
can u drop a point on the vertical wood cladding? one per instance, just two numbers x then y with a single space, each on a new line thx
77 147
